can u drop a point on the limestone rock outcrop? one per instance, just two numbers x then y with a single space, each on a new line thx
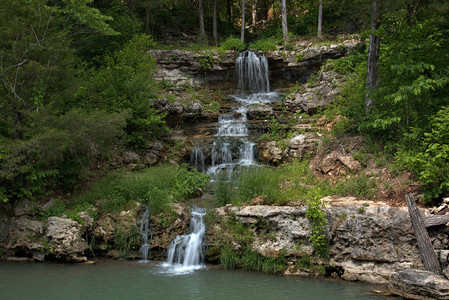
299 146
310 99
368 241
65 238
419 284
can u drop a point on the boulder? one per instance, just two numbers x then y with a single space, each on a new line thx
419 284
336 162
24 207
368 240
175 108
298 147
156 147
88 220
193 107
25 234
150 159
66 240
260 112
130 157
269 152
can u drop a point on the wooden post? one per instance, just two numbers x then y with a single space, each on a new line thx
428 255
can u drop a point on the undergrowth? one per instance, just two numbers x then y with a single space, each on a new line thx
157 187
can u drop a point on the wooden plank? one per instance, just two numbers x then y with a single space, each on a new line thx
436 220
428 255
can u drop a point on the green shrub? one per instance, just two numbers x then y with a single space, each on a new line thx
359 185
430 159
228 258
264 45
157 187
247 183
233 44
318 220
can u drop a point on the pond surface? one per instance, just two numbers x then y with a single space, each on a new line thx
134 280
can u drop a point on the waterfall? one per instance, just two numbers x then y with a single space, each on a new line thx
197 158
252 73
233 145
185 252
144 232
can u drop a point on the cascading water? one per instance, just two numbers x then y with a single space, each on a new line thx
144 233
252 73
232 146
197 158
185 252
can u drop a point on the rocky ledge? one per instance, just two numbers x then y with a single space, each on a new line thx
419 284
368 241
181 67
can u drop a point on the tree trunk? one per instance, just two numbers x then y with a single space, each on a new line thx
284 20
147 19
242 32
201 19
214 23
228 10
320 17
254 13
428 255
372 72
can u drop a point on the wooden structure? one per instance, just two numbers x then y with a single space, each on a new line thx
428 254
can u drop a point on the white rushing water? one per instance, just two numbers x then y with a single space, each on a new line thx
185 252
145 233
233 145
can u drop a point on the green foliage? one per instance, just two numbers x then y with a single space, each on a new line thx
57 209
82 12
245 258
157 187
246 184
125 83
56 150
359 185
276 131
264 45
430 159
233 44
318 220
126 240
228 258
92 45
206 61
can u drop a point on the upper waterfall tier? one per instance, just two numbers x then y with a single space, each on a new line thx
252 73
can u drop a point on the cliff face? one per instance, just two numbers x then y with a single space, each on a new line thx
181 67
368 241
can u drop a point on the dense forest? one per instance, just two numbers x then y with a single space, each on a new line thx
77 81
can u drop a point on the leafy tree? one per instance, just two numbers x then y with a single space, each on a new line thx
125 82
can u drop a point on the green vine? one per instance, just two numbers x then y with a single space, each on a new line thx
318 220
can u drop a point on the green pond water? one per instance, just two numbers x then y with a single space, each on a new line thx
134 280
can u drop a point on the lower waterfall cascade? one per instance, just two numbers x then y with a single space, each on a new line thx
185 252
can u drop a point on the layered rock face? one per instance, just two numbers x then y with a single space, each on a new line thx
313 98
181 67
419 284
369 241
24 237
